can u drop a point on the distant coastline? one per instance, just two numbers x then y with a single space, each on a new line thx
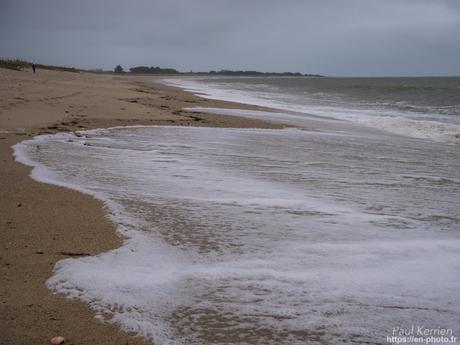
224 72
17 64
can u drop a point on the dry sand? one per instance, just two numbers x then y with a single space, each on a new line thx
40 223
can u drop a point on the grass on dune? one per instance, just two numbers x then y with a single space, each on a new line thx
18 65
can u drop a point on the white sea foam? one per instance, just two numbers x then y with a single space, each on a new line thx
262 236
424 126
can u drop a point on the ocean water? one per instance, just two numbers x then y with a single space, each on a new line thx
321 234
415 107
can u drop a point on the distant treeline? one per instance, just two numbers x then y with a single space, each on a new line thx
268 74
153 70
18 65
159 70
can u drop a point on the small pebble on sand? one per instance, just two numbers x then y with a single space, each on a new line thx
57 340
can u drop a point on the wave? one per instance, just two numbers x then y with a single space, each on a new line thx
229 231
410 123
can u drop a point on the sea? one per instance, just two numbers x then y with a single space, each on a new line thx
342 228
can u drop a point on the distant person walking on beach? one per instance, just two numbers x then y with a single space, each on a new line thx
33 67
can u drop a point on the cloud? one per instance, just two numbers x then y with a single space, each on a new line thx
334 37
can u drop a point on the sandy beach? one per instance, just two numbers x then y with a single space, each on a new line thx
42 224
233 235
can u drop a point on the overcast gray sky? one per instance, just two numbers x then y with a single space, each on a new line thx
332 37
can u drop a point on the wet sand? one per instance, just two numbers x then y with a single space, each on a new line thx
41 224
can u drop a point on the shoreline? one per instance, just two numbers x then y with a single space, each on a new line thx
42 223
